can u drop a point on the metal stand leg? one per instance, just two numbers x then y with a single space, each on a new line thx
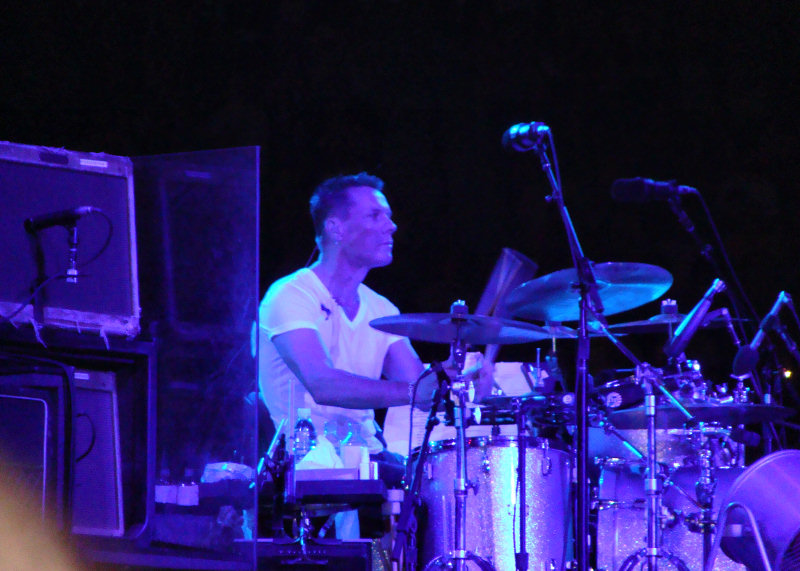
653 552
458 558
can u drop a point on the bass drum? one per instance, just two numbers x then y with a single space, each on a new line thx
492 518
622 525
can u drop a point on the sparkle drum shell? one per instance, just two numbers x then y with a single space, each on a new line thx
622 525
492 511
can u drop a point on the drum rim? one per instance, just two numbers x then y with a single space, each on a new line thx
500 441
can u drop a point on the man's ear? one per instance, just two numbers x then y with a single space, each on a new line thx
333 228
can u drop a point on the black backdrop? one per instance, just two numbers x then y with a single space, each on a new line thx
420 94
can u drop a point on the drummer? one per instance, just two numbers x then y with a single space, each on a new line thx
317 349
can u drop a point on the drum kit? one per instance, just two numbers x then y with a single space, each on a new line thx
663 448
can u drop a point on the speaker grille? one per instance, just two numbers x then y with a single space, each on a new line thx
97 495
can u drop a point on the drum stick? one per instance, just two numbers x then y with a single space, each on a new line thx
511 269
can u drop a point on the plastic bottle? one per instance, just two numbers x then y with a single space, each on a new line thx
305 437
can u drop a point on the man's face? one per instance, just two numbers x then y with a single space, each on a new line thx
367 231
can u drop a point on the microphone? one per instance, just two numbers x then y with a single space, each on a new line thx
646 189
59 218
524 136
747 355
692 322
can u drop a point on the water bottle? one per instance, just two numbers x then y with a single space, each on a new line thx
305 437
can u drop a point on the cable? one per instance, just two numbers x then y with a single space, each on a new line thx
50 279
93 430
30 298
107 241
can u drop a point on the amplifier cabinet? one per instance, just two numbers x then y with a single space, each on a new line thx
24 458
333 555
67 266
32 444
97 492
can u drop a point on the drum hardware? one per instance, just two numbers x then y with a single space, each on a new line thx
280 466
652 482
704 439
459 557
494 516
651 379
711 411
458 328
521 557
405 548
575 294
460 395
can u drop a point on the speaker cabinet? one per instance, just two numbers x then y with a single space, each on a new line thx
92 287
32 441
333 555
97 492
23 447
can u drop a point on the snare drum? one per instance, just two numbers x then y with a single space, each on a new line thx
492 512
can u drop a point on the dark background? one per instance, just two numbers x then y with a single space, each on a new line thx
420 93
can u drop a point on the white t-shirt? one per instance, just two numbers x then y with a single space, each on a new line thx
301 301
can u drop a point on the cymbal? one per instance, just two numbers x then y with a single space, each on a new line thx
447 328
733 414
663 323
621 286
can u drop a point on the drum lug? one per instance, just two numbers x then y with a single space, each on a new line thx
547 465
547 462
428 470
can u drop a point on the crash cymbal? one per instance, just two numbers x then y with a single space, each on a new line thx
621 286
664 324
473 329
726 414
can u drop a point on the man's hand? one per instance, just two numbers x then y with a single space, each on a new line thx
480 375
426 388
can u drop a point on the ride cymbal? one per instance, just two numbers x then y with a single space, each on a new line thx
621 286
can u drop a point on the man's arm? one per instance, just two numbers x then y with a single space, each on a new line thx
402 362
304 353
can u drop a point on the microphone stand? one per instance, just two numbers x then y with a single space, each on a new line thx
589 302
738 301
405 548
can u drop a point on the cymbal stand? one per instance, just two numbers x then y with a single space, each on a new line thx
458 558
704 489
648 378
460 393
